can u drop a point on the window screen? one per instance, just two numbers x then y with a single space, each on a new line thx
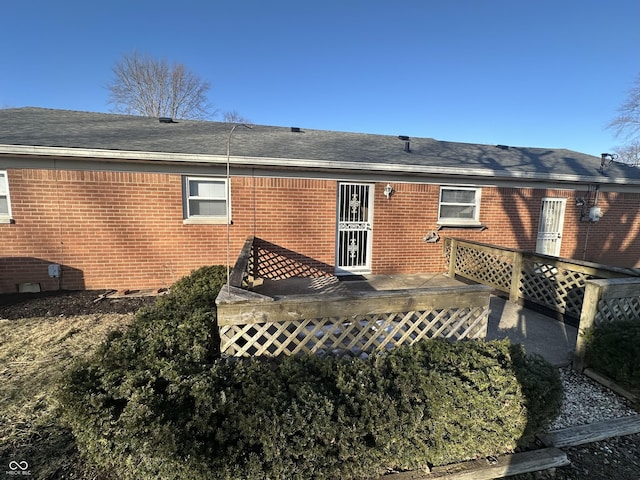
206 197
459 205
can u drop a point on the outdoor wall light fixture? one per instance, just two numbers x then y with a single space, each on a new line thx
388 191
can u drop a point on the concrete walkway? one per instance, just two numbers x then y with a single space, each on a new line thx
538 333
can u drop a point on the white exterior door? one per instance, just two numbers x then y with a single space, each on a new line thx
354 229
550 226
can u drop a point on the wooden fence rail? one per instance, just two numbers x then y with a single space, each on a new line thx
606 301
352 325
555 283
590 292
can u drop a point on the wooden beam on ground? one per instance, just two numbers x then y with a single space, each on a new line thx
502 466
610 384
592 432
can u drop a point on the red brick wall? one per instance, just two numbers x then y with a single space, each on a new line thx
296 214
126 230
511 217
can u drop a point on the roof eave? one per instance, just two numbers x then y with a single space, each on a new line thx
313 164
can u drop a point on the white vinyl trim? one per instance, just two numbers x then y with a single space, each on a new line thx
312 164
191 198
5 217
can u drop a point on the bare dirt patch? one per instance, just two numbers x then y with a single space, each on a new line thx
67 303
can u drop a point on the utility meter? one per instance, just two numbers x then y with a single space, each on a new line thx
595 214
54 270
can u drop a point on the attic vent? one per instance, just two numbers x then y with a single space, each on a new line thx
503 147
407 144
166 120
295 129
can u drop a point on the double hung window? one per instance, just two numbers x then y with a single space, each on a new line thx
459 206
206 200
5 204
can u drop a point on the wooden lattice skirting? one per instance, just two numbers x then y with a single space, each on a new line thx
353 326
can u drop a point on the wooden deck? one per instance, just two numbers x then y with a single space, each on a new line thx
331 285
539 334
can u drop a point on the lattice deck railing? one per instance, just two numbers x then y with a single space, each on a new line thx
262 259
349 325
552 282
606 301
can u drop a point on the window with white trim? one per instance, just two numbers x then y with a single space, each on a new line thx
205 199
5 204
459 206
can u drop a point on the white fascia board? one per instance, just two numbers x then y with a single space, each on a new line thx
315 164
102 154
421 170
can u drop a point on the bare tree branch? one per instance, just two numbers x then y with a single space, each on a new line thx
629 153
154 88
627 123
234 117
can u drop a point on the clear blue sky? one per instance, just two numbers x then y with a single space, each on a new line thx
544 73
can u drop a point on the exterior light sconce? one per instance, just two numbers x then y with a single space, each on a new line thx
388 191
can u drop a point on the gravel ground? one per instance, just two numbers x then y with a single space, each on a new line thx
586 401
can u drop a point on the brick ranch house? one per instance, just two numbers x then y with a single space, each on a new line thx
132 202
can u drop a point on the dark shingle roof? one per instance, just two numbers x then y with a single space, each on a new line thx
86 130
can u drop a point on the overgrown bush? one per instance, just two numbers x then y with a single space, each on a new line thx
613 348
154 403
125 402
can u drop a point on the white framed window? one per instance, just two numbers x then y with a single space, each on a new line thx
205 200
459 206
5 203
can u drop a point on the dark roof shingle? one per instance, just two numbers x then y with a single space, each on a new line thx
87 130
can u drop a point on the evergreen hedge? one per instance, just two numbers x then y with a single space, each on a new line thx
613 348
159 402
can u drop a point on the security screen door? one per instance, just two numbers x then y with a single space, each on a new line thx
354 232
550 226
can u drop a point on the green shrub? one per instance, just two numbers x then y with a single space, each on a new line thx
613 348
151 405
124 401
